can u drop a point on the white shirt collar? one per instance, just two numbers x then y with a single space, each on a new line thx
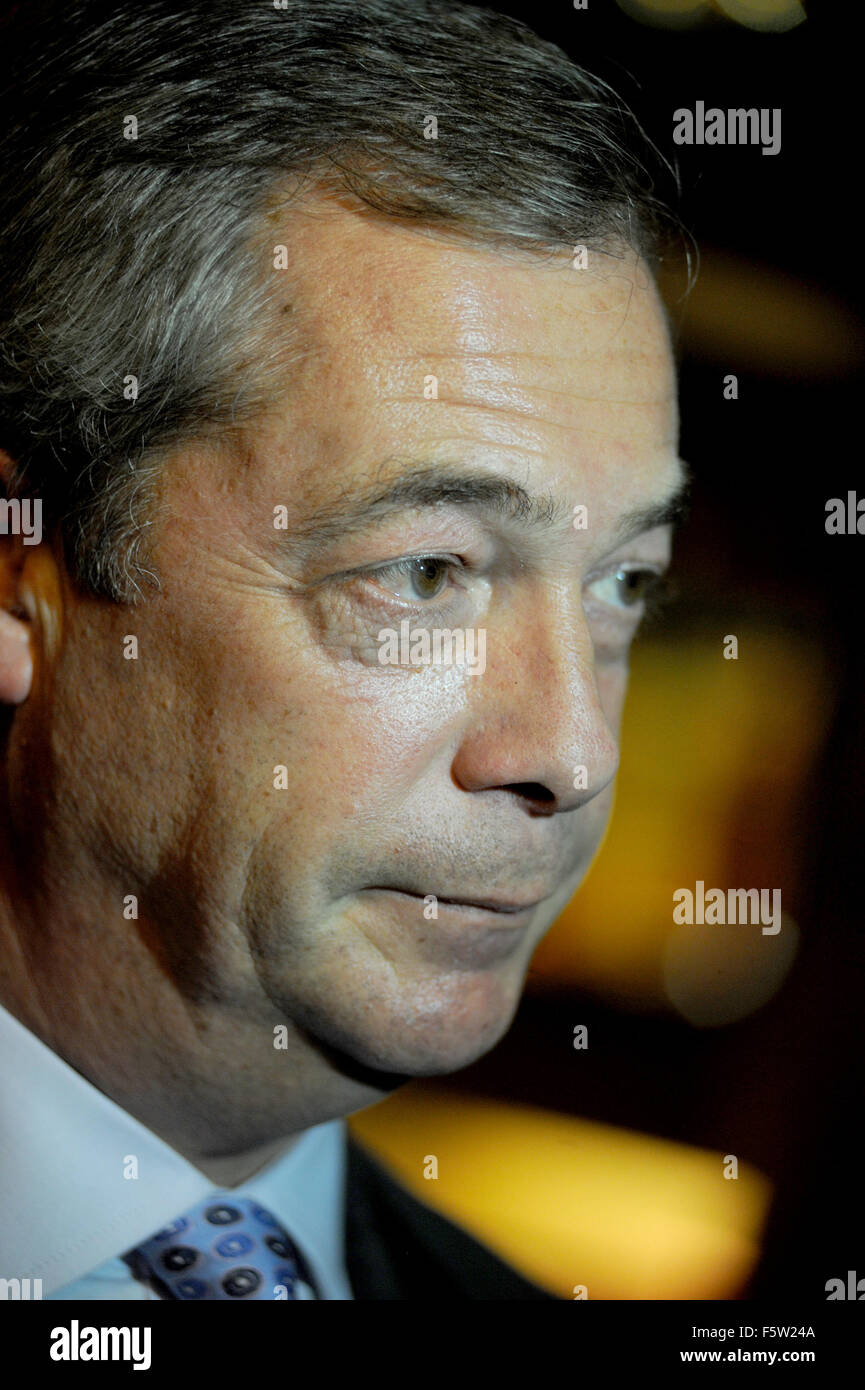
68 1208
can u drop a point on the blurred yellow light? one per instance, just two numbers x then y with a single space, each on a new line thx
716 975
667 14
706 743
761 318
767 15
567 1202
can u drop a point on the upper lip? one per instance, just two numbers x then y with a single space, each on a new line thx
512 905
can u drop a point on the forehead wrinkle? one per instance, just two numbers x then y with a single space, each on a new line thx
505 354
486 407
502 360
498 375
482 404
526 400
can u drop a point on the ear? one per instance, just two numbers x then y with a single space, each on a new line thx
30 605
16 661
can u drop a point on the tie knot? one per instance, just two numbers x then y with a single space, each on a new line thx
227 1246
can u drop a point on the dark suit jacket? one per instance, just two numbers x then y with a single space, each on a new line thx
398 1248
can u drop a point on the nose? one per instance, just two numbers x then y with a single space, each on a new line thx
537 726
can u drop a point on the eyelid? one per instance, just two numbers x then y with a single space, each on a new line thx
364 571
610 566
426 607
401 565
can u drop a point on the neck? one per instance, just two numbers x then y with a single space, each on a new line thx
239 1168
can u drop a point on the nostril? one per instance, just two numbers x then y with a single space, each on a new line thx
532 791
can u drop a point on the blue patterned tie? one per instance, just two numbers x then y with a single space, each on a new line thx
224 1247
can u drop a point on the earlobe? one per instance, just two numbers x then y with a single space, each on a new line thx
29 643
16 661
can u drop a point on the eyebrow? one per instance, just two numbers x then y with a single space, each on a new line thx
673 511
496 494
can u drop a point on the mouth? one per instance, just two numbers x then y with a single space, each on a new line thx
501 907
463 933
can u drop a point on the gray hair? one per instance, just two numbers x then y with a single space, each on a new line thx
142 257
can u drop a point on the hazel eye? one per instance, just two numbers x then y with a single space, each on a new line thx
426 575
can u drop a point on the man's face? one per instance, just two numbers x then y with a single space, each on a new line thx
304 902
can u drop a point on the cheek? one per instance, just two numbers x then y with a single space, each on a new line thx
353 738
373 720
366 752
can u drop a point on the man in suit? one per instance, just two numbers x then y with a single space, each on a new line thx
304 308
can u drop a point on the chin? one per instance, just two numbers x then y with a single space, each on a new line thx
429 1031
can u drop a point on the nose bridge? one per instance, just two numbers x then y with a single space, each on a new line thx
567 693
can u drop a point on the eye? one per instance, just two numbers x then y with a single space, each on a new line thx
424 576
629 588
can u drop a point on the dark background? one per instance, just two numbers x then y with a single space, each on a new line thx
784 1087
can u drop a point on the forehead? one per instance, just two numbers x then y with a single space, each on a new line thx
359 279
411 339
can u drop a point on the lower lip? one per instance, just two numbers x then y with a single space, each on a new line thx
490 916
475 936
